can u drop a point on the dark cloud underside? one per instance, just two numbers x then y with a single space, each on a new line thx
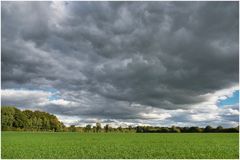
109 56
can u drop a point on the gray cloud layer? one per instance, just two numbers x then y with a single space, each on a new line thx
118 59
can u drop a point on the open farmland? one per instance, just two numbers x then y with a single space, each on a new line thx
119 145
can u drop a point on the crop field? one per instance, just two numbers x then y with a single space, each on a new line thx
119 145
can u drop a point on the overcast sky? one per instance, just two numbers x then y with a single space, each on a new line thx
123 63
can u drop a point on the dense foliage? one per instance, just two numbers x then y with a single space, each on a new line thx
151 129
174 129
15 119
72 145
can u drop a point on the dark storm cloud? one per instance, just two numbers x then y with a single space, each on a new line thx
159 54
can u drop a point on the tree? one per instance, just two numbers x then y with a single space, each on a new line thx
208 129
120 129
7 117
106 128
72 128
195 129
88 128
94 129
46 124
62 126
20 119
34 123
219 129
139 129
55 124
165 129
130 128
98 127
185 129
39 124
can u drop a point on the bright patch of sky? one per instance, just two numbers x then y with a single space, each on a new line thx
234 99
55 93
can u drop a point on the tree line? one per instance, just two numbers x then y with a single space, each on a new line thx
152 129
13 119
17 120
175 129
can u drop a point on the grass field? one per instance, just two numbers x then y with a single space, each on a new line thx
119 145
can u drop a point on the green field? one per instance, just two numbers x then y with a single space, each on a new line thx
119 145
